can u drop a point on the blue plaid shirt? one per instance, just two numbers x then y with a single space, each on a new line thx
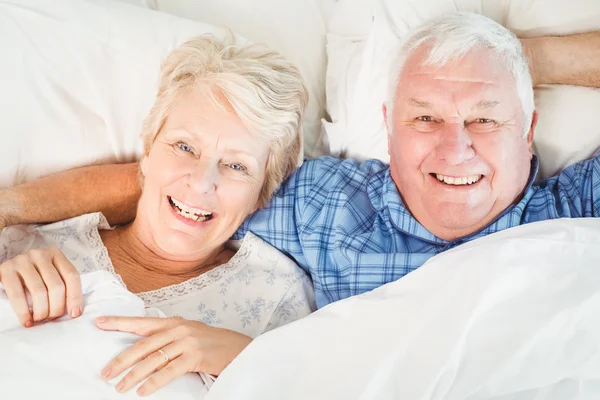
345 223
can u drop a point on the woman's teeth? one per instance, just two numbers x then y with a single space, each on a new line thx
463 180
195 214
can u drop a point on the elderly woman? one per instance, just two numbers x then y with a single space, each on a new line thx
224 132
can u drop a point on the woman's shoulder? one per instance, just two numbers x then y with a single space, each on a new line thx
245 294
82 222
78 238
257 255
287 289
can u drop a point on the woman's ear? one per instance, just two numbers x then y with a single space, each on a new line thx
144 165
256 207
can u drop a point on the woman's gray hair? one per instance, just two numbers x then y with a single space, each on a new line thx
264 89
451 37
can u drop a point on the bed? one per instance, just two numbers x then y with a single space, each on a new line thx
79 76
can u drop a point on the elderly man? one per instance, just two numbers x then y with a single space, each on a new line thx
460 119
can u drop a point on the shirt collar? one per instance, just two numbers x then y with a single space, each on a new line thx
388 197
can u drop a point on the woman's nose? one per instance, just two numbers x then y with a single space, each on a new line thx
204 177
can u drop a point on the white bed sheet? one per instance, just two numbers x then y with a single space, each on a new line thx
512 316
63 359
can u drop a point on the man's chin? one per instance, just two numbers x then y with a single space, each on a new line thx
452 223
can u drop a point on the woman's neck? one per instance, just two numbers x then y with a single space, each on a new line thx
144 267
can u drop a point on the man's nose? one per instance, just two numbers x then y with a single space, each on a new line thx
455 144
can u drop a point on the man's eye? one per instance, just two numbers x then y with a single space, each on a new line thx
425 118
484 121
184 147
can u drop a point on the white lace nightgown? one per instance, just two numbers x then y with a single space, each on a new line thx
257 290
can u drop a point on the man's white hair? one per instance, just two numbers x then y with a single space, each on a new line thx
451 37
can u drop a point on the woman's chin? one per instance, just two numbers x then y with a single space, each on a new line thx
182 247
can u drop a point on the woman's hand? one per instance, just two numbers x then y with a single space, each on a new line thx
53 282
172 347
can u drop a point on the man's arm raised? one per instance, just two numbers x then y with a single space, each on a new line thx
112 189
566 60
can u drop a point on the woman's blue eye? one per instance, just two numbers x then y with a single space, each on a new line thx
237 167
184 147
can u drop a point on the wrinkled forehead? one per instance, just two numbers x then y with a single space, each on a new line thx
477 74
478 64
209 122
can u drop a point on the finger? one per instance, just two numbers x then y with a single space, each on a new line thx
18 299
142 326
167 374
145 368
54 285
72 279
141 350
39 293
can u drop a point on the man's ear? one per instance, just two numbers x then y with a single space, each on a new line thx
384 110
530 134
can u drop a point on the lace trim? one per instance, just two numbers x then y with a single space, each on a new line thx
101 252
154 297
198 283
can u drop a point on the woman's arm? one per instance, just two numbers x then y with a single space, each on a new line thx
112 189
566 60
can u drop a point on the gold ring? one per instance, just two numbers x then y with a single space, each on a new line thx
165 356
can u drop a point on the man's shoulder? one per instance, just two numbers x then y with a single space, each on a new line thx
588 168
329 183
571 193
333 169
326 177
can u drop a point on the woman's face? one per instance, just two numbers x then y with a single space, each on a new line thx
202 178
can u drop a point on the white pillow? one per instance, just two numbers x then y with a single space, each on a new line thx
78 78
63 359
521 324
565 133
296 28
346 32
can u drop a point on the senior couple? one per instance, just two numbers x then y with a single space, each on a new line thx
221 144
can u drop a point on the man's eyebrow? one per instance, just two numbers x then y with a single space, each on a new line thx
418 103
484 104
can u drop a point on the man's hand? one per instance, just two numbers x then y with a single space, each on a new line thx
112 189
171 348
7 208
529 47
564 60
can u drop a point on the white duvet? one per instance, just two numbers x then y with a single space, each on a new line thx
63 359
515 315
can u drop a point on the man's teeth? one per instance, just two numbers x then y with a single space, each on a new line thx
192 213
463 180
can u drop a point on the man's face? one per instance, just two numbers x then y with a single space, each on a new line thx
458 153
